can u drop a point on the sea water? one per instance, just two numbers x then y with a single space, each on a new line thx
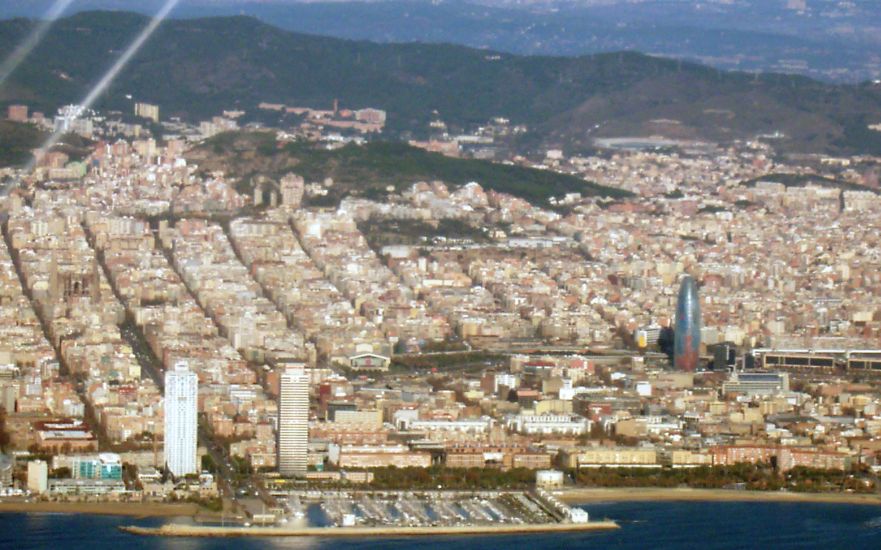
656 525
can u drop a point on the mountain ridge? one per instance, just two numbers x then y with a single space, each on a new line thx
196 67
832 45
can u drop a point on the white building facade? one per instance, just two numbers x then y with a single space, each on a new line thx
181 421
38 476
293 421
546 424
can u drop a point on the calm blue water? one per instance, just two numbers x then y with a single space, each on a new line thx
708 526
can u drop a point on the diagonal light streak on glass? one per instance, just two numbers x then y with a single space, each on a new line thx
111 74
24 49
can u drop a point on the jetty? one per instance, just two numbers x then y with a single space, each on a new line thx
181 530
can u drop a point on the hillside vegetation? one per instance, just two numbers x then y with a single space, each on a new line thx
16 142
367 170
197 67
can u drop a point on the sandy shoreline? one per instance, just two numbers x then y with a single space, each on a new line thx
177 530
104 508
570 496
584 496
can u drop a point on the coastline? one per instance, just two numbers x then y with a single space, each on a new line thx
569 496
131 509
637 494
178 530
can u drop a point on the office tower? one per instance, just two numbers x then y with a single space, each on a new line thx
293 420
687 336
181 393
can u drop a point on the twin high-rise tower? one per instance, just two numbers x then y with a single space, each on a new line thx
181 420
687 332
293 421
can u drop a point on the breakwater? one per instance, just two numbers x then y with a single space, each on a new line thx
179 530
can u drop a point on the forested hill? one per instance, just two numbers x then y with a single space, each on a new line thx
197 67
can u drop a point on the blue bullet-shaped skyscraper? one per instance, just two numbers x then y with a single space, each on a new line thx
687 332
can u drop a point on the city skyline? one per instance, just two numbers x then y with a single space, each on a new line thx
259 282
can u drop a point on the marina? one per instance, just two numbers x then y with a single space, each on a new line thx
402 513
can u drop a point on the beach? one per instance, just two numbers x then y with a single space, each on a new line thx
133 509
178 530
585 495
569 496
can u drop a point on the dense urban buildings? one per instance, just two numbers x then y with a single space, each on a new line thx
311 335
481 296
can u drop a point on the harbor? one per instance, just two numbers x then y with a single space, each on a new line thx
403 513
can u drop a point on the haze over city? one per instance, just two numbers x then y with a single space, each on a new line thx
563 273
